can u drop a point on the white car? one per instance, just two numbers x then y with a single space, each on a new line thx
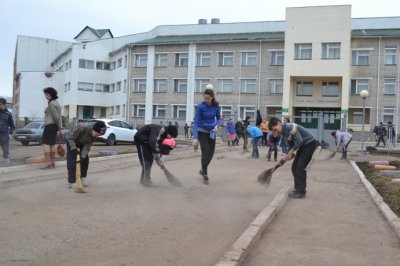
117 131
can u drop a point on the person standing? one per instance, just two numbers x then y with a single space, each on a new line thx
391 134
282 141
206 122
186 128
230 129
342 141
81 137
255 134
303 142
264 130
239 130
191 129
148 141
381 134
246 122
52 125
273 146
6 129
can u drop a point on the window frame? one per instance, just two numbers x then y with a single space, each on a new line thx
224 59
303 89
393 83
200 85
328 87
177 109
301 51
201 59
392 55
246 83
182 59
158 85
357 85
331 47
276 56
138 85
178 84
137 108
140 60
224 85
249 58
357 55
161 60
157 108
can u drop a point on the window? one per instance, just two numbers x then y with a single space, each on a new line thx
203 59
276 86
123 110
102 87
389 87
226 110
113 64
225 85
112 87
140 60
125 61
182 60
304 88
388 114
357 85
245 111
67 86
119 62
357 117
159 111
118 86
180 85
139 85
225 59
330 89
331 50
302 51
103 111
201 85
86 64
138 110
248 86
161 60
103 65
390 56
360 58
117 109
179 111
85 86
160 85
277 58
125 85
249 58
111 110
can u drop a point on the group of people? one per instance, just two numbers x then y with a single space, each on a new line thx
381 133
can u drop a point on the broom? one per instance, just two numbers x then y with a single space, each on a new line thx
78 182
330 156
171 178
265 176
248 148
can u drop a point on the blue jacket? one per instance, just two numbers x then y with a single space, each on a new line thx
230 128
254 132
6 122
207 117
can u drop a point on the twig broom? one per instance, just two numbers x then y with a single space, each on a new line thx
171 178
78 182
265 176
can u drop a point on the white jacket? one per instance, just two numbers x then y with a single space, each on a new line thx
342 139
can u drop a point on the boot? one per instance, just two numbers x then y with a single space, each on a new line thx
47 161
53 158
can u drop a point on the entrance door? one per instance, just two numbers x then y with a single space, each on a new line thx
88 112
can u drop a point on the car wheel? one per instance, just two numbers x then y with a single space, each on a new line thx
111 140
25 143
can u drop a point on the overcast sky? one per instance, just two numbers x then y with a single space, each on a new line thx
64 19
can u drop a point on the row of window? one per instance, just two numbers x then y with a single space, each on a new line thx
100 65
303 88
303 51
98 87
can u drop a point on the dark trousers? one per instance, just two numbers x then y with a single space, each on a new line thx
146 161
255 142
71 164
207 146
5 143
274 149
381 138
302 159
264 139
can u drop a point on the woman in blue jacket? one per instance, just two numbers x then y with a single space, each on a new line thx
255 134
206 122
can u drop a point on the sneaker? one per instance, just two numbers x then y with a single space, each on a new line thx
296 195
148 183
71 185
84 181
205 180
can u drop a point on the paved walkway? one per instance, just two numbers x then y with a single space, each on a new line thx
336 224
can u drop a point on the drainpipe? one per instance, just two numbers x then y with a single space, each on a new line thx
378 81
259 78
397 102
128 87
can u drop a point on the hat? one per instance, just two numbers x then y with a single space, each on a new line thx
98 126
172 130
333 133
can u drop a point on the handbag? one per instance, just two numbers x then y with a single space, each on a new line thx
60 150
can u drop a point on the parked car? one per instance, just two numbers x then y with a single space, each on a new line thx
117 131
32 132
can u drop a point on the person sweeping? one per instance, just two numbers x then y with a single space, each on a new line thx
149 143
342 141
302 142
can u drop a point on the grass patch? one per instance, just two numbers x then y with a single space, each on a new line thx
389 191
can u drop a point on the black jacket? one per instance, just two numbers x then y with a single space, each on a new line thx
152 135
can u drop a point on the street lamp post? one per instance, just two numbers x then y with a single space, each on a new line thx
364 94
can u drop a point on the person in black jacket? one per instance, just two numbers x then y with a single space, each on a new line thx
148 141
6 129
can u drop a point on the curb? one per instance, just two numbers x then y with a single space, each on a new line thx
237 254
390 216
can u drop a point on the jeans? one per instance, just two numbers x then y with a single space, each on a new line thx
4 143
71 164
207 146
255 142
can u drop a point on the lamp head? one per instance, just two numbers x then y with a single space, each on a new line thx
364 94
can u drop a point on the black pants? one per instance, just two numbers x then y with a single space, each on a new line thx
5 144
272 149
302 159
146 161
207 146
71 164
264 139
381 138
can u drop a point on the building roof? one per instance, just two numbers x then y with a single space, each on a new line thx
98 32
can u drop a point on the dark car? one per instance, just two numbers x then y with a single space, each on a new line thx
32 132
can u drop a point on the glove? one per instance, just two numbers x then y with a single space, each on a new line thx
158 159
